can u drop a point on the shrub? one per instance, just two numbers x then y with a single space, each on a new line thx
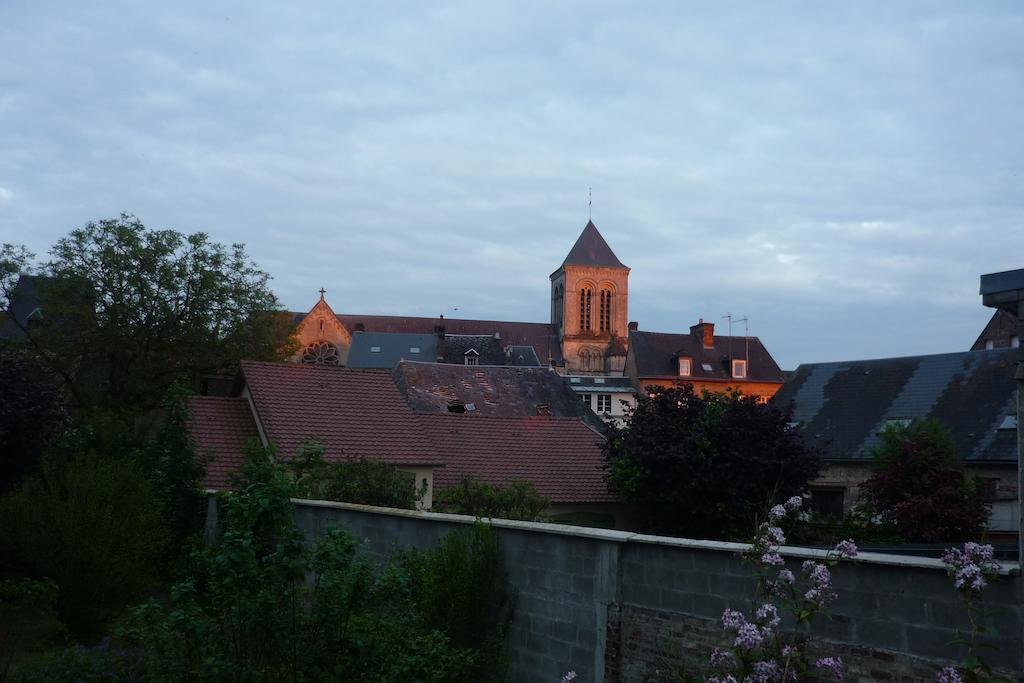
518 500
92 526
920 487
352 480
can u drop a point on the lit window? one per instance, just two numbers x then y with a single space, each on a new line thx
604 403
684 367
739 369
472 360
586 399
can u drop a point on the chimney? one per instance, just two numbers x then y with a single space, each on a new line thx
360 327
705 332
439 331
634 326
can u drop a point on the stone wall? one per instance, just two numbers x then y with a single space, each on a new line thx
618 606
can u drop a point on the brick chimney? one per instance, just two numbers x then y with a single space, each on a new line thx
705 332
439 331
634 326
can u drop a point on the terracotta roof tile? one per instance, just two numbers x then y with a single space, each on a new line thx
220 427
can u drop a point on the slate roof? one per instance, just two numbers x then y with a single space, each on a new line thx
362 413
843 406
490 350
1000 328
220 427
655 355
591 250
25 301
393 347
561 456
590 384
522 356
492 391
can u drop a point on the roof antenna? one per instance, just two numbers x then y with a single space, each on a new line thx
746 337
590 204
728 316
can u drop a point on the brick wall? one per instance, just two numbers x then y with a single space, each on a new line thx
618 606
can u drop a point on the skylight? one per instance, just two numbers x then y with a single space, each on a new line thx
414 349
374 349
707 367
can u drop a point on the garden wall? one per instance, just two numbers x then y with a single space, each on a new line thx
619 606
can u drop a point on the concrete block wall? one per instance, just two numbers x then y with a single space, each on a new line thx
614 606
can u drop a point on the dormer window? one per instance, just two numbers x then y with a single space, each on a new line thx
685 367
739 369
472 357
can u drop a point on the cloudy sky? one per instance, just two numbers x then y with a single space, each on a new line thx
840 173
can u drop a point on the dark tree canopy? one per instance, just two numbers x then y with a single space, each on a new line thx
920 487
706 465
127 311
30 412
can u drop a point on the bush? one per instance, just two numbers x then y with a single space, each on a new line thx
352 480
92 526
518 500
705 465
919 486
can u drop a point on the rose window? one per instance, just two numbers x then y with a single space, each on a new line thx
321 353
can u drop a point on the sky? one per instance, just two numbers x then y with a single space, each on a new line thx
838 173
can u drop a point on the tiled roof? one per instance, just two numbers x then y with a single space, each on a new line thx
591 250
220 427
362 413
561 456
492 391
391 348
1001 327
655 354
843 406
352 412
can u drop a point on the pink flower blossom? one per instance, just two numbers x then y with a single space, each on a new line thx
833 665
949 675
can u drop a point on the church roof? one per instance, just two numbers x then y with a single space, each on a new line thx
591 250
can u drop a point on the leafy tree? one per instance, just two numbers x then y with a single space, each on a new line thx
351 480
31 412
920 487
518 500
704 465
127 311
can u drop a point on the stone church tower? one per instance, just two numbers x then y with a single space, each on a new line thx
589 297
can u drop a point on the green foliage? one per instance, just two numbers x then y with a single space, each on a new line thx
170 463
518 500
129 310
93 527
919 486
28 619
857 523
705 465
264 605
31 412
352 480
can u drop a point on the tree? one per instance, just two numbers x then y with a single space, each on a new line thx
705 465
127 311
519 500
30 412
920 487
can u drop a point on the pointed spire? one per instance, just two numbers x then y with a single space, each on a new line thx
591 250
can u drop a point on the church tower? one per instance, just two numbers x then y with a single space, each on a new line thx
589 297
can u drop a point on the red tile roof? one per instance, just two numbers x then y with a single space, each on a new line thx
220 427
561 456
361 413
355 413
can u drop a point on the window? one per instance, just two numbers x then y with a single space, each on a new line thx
827 502
321 353
586 399
1015 342
684 367
414 349
989 345
599 380
472 360
604 403
605 319
739 369
586 296
374 349
574 380
707 367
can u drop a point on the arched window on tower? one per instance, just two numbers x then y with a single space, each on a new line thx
586 309
559 304
606 310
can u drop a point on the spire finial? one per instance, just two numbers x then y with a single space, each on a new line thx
322 292
590 203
